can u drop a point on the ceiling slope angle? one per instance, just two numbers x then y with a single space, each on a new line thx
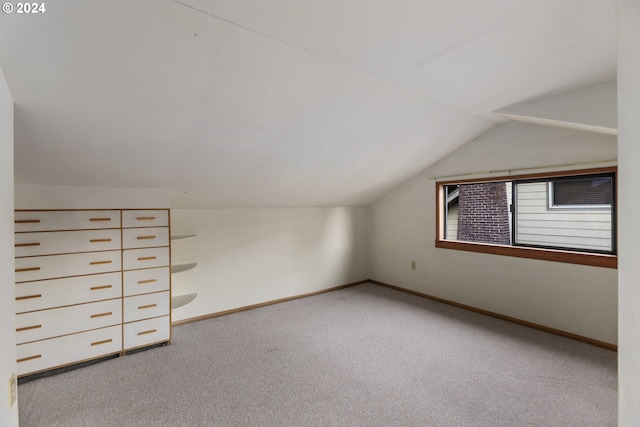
285 103
592 108
476 56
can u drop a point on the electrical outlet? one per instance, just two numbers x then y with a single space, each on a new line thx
413 265
13 390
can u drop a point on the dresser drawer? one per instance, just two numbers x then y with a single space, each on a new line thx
64 242
56 352
145 306
145 218
43 294
65 220
56 266
146 281
133 259
145 237
146 332
38 325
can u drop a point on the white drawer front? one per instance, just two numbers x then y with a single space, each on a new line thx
66 220
145 306
146 332
146 281
145 237
56 266
64 242
57 352
145 218
45 294
38 325
133 259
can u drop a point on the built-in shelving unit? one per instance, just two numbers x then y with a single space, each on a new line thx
183 236
184 299
89 284
178 268
180 300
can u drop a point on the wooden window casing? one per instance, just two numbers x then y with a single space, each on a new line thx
557 255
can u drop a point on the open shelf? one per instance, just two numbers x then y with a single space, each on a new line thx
180 300
182 236
183 267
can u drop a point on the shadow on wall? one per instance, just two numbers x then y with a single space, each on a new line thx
255 255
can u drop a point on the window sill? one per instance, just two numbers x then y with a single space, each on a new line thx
596 260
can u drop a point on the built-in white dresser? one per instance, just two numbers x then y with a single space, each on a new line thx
89 284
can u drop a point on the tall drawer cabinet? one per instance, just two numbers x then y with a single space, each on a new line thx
89 284
146 277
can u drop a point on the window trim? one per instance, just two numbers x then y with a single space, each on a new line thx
557 255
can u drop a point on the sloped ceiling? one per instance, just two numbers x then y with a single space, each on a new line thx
592 108
281 103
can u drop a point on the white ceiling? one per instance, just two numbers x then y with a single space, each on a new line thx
281 103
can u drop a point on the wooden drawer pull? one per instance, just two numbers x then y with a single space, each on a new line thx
146 218
28 328
29 297
142 307
93 316
101 342
146 237
147 258
99 219
22 245
22 270
148 332
27 221
99 240
95 288
143 282
24 359
100 262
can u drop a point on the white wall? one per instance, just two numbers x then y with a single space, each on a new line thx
249 256
8 416
629 232
67 197
573 298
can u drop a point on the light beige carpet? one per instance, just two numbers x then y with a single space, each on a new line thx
361 356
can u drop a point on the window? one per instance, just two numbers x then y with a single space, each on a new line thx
591 192
568 217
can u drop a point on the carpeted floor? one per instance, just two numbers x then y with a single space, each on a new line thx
361 356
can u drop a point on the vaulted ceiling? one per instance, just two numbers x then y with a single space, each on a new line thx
281 103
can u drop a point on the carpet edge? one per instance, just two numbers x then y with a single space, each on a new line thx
537 326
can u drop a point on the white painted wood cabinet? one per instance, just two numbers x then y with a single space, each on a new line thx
89 284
